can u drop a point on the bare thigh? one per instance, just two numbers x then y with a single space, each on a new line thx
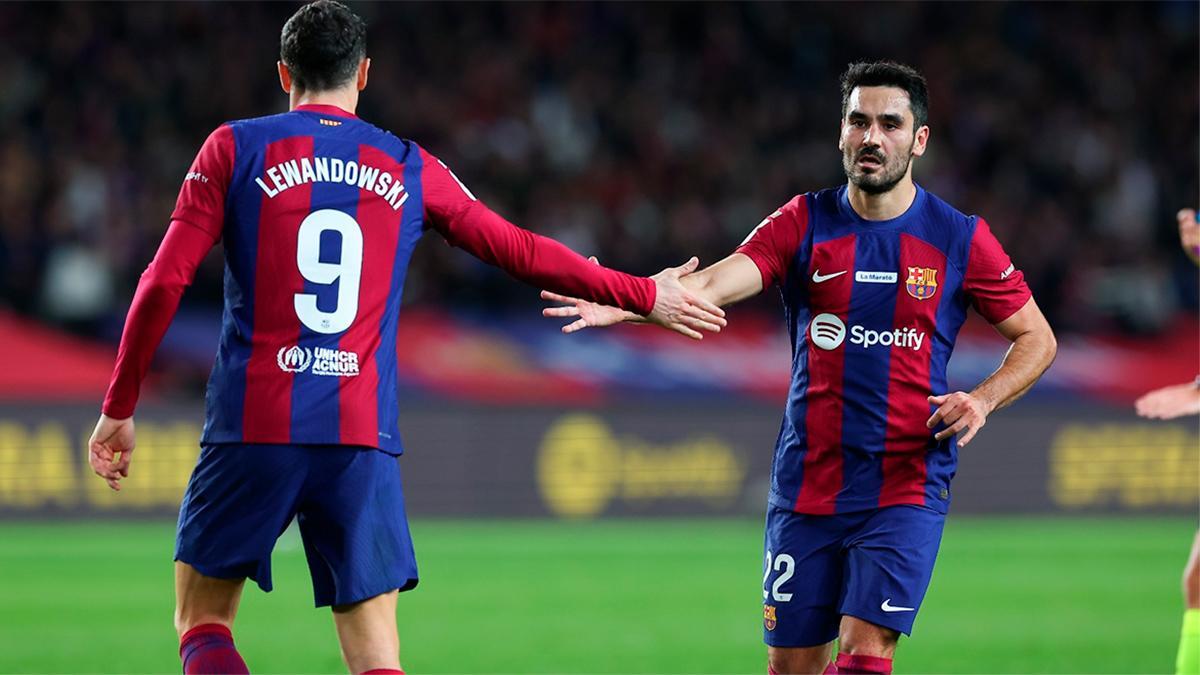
367 633
200 599
856 636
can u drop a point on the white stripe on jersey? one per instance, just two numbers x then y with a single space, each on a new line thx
778 212
456 180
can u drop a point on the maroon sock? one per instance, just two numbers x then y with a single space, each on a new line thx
383 671
209 649
861 664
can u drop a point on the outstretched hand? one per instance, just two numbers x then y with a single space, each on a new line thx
590 314
680 310
675 307
109 449
1170 402
1189 233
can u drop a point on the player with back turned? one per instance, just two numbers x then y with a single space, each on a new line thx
876 277
319 212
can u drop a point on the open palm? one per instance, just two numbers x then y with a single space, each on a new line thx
675 308
590 314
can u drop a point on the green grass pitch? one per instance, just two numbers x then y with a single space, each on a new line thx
1028 595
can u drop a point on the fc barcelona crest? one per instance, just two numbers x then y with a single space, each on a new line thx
922 282
769 616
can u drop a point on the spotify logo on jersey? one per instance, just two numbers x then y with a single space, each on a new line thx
827 331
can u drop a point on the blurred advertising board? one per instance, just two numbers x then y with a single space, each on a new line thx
643 459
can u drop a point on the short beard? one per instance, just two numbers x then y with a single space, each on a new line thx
878 183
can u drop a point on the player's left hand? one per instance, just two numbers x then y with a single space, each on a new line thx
675 308
111 438
959 411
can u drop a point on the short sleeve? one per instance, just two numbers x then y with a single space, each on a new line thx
774 242
996 287
201 201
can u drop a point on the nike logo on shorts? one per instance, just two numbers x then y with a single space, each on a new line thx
887 606
818 277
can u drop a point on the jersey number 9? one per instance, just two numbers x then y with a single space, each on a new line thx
347 271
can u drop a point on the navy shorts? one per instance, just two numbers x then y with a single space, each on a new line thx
347 501
873 565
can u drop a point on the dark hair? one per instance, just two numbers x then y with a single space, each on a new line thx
322 45
889 74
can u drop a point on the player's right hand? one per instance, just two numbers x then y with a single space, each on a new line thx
679 309
1170 402
1189 233
109 449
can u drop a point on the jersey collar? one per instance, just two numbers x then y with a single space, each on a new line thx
852 216
325 110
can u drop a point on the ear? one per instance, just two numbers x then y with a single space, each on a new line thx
363 67
285 77
919 141
842 135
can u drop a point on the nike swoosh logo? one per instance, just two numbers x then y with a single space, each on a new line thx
818 277
887 606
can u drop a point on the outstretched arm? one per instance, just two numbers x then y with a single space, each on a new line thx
762 258
731 280
1032 351
467 223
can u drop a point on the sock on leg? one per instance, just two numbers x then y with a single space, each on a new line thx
383 671
830 669
207 649
770 670
1188 660
861 664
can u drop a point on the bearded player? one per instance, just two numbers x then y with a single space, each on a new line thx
319 212
876 277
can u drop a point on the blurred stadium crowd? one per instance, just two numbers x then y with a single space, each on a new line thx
641 133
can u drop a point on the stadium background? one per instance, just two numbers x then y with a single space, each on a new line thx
593 503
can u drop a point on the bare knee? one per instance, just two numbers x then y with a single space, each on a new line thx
863 637
1191 584
799 660
1191 576
203 600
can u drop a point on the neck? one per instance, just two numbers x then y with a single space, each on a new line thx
885 205
345 98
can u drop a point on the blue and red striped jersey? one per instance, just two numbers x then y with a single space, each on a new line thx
873 309
319 212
